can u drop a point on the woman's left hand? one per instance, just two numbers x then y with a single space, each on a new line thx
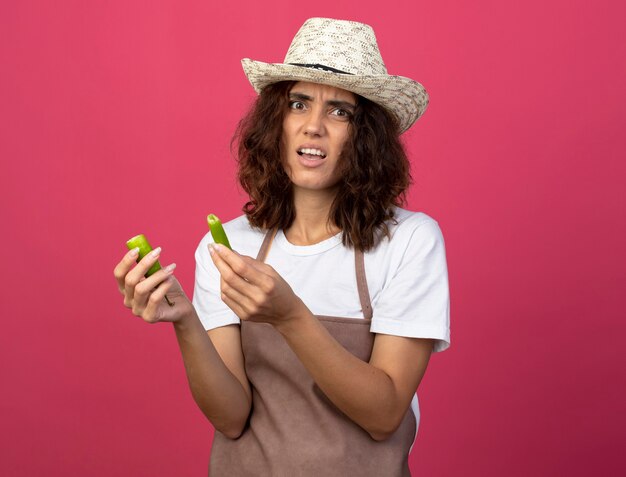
253 289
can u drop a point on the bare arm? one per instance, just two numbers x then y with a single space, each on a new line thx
375 395
213 362
217 379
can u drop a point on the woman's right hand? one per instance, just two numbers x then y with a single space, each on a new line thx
214 364
146 296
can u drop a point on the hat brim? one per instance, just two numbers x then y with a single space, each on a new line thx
404 97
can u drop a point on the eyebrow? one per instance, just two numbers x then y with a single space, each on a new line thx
333 102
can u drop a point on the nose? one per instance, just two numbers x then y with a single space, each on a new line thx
314 125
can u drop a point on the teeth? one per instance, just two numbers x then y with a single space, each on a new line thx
312 152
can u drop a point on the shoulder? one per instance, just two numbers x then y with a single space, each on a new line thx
413 230
408 219
414 248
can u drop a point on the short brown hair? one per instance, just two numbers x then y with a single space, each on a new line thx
374 178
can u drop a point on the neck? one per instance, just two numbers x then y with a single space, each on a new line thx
311 224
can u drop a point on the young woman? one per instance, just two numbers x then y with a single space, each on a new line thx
305 346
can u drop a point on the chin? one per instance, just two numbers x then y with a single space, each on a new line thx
311 180
316 186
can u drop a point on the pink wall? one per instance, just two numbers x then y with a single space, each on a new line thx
115 118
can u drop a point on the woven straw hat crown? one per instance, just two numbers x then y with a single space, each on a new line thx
343 54
346 46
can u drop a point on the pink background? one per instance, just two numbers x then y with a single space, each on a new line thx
115 119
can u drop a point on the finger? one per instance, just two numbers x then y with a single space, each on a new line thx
145 288
243 266
156 306
267 277
256 264
124 266
137 274
235 306
233 294
237 280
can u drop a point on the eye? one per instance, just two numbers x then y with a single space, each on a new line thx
341 113
294 104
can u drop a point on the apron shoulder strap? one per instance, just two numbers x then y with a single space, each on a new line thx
361 282
265 246
359 265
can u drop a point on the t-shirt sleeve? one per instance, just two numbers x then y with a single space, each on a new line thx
415 302
211 310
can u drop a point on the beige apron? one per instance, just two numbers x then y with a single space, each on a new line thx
294 429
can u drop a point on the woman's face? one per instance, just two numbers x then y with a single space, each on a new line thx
315 129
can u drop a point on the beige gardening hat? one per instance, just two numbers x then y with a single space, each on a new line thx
343 54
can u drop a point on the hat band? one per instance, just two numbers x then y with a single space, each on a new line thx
317 66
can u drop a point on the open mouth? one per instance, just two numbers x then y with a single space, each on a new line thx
305 151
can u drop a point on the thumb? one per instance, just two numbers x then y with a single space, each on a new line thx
256 264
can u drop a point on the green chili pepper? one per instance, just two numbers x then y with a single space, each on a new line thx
217 231
140 241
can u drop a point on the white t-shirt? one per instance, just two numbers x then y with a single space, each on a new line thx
407 277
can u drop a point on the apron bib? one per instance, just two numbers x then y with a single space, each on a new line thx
294 429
